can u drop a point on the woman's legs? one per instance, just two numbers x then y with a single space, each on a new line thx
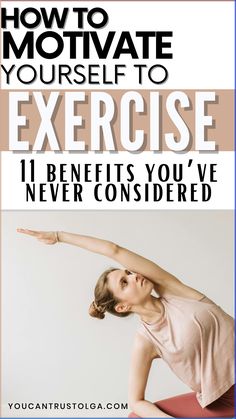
187 406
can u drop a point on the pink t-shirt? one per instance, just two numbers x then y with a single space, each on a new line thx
196 339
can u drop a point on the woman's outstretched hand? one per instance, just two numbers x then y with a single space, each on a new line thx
47 237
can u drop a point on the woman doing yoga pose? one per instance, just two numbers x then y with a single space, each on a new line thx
179 324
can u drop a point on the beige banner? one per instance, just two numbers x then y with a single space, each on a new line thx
222 112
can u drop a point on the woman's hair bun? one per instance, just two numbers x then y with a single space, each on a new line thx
96 311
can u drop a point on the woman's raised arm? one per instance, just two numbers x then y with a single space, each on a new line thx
125 257
132 261
163 280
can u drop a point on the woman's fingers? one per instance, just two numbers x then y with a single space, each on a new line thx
47 237
29 232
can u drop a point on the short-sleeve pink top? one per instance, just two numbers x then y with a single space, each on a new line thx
196 339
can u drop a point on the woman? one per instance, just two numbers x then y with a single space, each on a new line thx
179 324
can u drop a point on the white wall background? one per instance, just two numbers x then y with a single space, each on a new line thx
52 351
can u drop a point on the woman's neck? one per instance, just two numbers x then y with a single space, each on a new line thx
151 310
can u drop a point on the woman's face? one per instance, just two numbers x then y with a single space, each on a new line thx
129 287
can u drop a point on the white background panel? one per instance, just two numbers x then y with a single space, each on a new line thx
222 191
202 43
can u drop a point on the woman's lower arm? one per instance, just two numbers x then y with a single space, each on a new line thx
146 409
93 244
